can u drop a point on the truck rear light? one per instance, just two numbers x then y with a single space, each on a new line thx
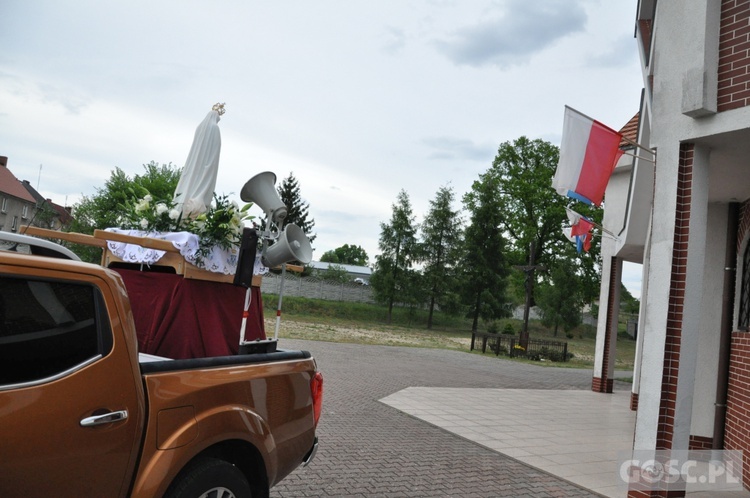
316 388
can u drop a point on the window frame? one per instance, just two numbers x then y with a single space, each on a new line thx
104 335
743 322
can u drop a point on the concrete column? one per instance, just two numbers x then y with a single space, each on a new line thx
670 342
638 361
689 326
659 270
709 327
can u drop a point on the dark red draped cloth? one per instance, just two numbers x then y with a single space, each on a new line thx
180 318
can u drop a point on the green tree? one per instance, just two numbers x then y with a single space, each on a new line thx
629 304
393 279
440 252
484 265
45 216
534 212
102 210
298 211
346 255
560 297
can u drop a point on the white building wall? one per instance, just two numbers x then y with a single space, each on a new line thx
638 361
657 298
710 322
681 59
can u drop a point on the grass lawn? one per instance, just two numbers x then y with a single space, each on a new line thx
333 321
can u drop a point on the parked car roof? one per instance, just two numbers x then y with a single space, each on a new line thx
26 244
353 269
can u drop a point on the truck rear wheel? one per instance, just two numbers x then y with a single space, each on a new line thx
210 478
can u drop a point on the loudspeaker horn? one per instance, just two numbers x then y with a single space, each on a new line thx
292 245
261 190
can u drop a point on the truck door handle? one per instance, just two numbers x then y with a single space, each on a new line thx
105 418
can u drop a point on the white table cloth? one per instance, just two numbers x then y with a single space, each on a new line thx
218 261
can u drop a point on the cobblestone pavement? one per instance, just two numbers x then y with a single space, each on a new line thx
369 449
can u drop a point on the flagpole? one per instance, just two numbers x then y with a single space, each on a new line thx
611 234
600 227
636 144
597 225
638 157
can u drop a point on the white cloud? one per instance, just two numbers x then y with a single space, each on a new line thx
353 97
514 34
448 148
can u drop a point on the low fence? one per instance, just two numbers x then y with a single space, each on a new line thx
316 288
536 349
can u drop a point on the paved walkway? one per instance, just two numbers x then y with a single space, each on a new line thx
409 422
577 435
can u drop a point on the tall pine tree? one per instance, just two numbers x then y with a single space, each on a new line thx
394 279
441 242
485 265
297 208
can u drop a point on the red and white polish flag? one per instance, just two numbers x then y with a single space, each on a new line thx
579 230
588 154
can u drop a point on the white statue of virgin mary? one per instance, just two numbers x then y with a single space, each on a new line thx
195 190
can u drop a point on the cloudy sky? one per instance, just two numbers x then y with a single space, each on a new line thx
359 99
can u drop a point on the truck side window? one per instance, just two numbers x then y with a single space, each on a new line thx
49 327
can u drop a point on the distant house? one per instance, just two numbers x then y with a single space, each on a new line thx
21 204
362 272
17 205
48 214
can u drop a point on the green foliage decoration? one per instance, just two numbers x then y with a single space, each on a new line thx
220 226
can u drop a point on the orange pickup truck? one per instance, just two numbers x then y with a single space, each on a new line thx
82 413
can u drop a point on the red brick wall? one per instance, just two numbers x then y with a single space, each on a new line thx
701 443
665 429
602 385
734 55
656 494
737 433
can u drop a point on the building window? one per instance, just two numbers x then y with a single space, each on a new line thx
14 224
25 212
4 207
744 323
